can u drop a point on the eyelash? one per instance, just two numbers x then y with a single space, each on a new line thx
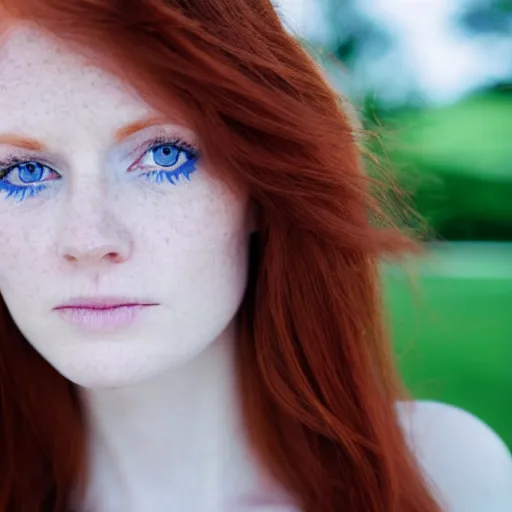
160 175
156 175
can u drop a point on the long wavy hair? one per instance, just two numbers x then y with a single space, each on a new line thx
316 374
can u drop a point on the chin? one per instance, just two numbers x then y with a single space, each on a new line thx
102 379
112 372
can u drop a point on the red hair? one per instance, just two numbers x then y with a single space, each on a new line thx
318 385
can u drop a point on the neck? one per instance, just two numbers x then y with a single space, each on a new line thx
154 445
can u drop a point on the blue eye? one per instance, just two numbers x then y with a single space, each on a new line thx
174 160
25 178
165 156
30 172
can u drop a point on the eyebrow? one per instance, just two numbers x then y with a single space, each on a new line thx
31 144
20 141
132 128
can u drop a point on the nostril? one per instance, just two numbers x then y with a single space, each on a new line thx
115 257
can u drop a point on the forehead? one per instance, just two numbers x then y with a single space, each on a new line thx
43 79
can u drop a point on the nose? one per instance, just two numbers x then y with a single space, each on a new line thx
92 235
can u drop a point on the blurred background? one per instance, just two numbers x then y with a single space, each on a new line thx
431 81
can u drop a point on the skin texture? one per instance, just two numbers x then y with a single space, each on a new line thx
103 230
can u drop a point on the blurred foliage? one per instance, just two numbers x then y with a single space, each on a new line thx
455 160
488 17
351 36
361 38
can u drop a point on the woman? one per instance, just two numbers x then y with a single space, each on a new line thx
191 316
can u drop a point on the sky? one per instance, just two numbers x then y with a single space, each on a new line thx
444 62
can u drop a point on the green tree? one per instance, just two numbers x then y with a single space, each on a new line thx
488 17
350 34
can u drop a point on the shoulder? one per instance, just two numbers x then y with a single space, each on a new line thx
466 463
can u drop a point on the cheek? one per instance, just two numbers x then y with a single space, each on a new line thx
202 216
199 258
25 243
200 236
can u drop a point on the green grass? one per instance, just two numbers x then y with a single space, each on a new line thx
452 328
456 162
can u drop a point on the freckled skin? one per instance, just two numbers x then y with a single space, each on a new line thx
183 246
160 394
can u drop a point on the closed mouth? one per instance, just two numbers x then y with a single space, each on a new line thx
100 315
103 304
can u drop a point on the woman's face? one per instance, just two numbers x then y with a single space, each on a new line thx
103 204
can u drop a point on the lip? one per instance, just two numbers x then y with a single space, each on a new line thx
102 303
100 313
